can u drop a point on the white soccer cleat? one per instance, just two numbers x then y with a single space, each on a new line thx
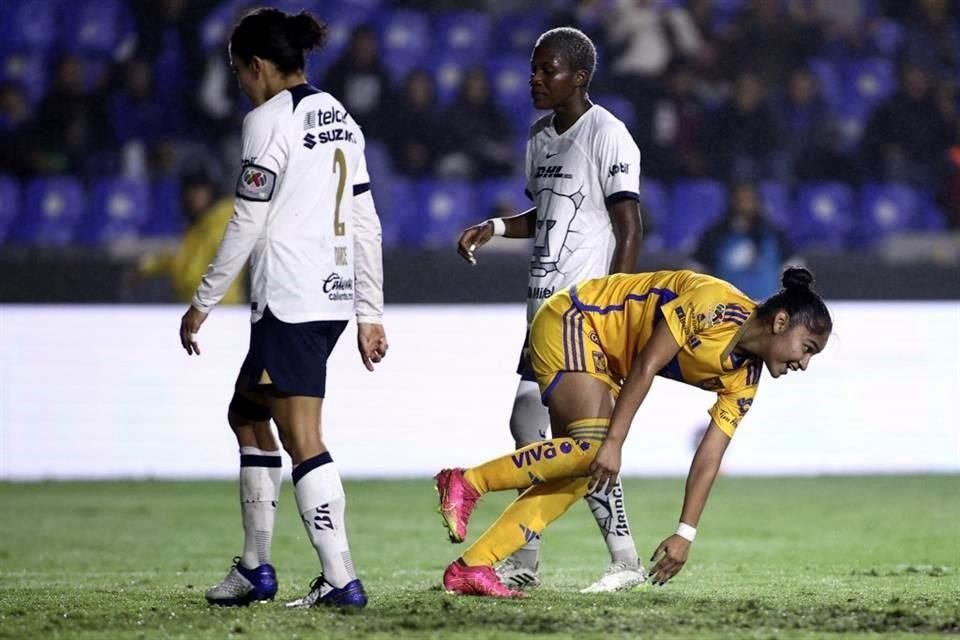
619 576
517 575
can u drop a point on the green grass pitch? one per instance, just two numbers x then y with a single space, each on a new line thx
864 557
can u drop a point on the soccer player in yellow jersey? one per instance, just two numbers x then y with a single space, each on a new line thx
595 348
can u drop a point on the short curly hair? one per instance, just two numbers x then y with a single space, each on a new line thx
577 46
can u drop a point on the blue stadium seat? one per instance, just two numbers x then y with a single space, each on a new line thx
447 72
619 106
9 204
930 217
886 209
695 205
405 38
215 27
510 80
655 209
868 82
166 211
52 209
462 35
517 32
886 36
497 196
29 24
400 213
95 26
775 198
446 208
341 21
830 79
118 207
825 215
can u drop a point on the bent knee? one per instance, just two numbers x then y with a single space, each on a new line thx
243 412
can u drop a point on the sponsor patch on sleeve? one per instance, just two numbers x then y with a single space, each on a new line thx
256 183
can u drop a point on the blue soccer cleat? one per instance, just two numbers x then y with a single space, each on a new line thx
322 593
243 586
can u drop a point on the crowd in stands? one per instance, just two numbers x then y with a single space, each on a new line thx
842 117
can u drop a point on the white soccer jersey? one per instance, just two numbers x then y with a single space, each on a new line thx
302 202
572 177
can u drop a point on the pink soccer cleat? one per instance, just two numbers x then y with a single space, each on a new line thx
457 500
476 581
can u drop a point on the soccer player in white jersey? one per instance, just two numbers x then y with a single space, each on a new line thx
583 176
305 219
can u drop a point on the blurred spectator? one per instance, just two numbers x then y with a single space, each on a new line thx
137 119
416 136
207 213
811 141
67 129
14 121
908 135
742 134
360 78
744 248
671 125
933 35
479 137
770 41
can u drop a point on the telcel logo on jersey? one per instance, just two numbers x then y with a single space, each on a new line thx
619 167
338 288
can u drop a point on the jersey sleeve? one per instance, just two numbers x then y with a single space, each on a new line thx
528 167
618 158
695 311
264 156
367 249
732 405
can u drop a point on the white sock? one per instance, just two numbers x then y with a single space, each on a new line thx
321 502
529 423
610 513
260 476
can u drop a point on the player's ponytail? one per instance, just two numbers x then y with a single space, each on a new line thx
800 301
305 31
277 36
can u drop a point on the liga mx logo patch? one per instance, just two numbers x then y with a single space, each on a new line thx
256 183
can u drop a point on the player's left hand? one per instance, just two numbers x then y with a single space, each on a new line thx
189 326
605 468
668 559
372 343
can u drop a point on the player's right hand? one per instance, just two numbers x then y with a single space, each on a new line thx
668 559
472 238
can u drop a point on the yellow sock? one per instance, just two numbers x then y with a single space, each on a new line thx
525 519
534 464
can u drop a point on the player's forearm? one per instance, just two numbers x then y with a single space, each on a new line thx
238 241
523 225
628 232
703 472
632 395
368 260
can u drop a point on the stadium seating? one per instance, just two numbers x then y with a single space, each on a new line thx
775 199
695 205
462 35
52 209
885 209
447 72
9 204
825 216
655 208
518 31
118 207
510 79
619 106
499 196
404 39
401 218
166 212
95 26
29 25
446 207
26 69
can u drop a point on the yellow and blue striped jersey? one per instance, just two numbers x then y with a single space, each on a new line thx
705 316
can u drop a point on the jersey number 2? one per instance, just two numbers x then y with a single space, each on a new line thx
339 228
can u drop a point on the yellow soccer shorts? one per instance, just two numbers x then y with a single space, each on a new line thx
563 340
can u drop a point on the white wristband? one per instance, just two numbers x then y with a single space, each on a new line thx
499 226
686 532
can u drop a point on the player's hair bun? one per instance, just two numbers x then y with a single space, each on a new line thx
796 278
305 31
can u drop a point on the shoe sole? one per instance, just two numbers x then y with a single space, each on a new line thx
242 601
451 528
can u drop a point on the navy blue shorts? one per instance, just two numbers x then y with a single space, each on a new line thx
524 368
290 359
